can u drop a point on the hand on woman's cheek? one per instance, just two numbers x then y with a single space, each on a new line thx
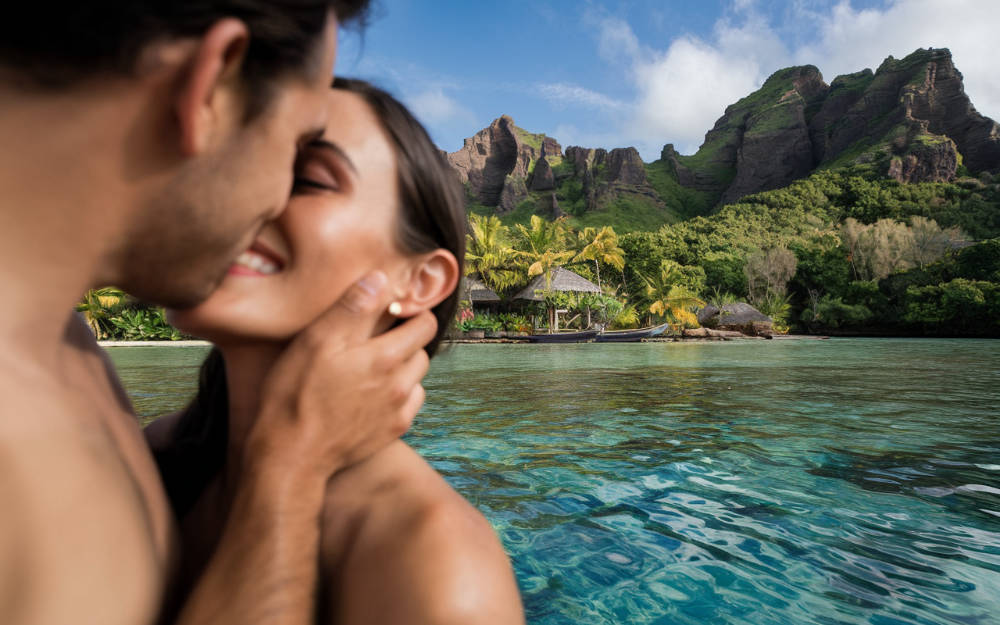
340 224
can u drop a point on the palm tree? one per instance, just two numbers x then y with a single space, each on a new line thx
98 306
601 247
670 299
543 247
488 253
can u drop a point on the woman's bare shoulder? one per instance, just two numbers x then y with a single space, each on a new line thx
404 547
160 433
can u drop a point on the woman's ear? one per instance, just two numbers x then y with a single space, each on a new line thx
206 101
431 281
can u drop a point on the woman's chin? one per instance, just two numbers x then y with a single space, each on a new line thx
190 323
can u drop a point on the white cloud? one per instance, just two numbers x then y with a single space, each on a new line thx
432 106
563 94
683 89
617 41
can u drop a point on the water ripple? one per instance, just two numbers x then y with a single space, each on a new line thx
766 483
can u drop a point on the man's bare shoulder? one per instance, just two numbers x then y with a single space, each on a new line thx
420 552
67 506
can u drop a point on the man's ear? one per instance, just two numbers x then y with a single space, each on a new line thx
207 90
432 280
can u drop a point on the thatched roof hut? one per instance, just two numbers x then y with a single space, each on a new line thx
562 280
738 314
476 292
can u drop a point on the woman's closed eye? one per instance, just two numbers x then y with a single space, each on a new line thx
313 174
305 184
323 166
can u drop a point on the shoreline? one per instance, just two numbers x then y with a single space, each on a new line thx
506 341
671 339
154 343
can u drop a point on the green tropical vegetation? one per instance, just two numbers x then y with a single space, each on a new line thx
114 316
837 252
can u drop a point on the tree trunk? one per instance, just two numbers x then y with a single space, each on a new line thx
597 270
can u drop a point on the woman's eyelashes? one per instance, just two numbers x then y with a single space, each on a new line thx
316 174
304 184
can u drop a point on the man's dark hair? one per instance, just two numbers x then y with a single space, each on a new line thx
46 46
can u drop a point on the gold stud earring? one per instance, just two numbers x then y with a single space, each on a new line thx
395 309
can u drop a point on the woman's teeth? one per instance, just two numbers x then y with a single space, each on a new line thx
256 262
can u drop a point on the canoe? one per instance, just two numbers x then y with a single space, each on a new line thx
631 336
562 337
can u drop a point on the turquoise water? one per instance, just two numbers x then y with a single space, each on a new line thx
763 482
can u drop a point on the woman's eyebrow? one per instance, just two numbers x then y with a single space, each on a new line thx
336 149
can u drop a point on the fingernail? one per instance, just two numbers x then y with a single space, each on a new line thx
372 283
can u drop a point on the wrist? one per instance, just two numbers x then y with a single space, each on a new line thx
282 482
282 454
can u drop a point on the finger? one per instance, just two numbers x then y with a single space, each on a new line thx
400 343
353 317
413 370
410 409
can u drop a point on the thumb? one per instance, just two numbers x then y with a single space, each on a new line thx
353 317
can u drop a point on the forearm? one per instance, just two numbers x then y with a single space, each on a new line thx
264 568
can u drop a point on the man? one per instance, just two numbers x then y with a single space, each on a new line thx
143 144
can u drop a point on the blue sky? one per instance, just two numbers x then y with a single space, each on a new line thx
642 72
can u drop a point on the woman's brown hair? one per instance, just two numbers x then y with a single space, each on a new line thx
431 216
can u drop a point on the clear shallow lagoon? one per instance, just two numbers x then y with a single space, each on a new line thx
759 482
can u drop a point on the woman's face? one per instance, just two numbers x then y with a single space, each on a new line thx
340 225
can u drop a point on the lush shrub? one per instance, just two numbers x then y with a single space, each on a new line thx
832 313
960 306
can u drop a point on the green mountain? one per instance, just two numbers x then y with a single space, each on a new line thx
909 122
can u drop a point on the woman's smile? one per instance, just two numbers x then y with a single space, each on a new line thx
334 231
259 260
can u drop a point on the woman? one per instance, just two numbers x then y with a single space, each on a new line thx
398 544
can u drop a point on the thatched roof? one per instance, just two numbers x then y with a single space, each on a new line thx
477 292
562 280
737 314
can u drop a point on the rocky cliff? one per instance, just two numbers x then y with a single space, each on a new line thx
503 165
910 120
491 156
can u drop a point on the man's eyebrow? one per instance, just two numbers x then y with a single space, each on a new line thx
336 149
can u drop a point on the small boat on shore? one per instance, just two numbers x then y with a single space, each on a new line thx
583 336
631 336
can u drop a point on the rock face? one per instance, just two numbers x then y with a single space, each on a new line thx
912 115
542 179
928 158
487 158
550 147
514 190
928 88
625 166
775 148
605 174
